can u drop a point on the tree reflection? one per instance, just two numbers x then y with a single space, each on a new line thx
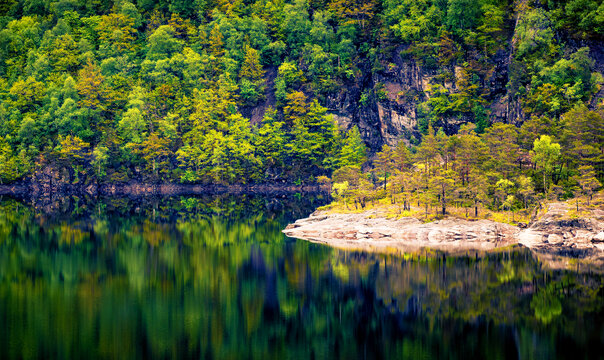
214 277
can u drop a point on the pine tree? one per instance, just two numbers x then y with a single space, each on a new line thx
588 181
402 157
427 153
384 163
353 151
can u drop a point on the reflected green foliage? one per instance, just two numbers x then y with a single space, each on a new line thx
547 306
214 277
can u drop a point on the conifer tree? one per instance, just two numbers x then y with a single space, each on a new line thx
588 181
353 151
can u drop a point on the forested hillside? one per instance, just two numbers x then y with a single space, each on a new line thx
215 91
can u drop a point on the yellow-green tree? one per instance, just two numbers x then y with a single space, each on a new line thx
91 88
8 164
545 155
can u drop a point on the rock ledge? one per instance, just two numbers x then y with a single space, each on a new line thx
559 241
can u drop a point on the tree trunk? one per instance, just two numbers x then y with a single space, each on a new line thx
444 202
544 187
385 180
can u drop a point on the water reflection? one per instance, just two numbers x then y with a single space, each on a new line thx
213 277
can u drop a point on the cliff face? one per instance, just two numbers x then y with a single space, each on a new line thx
389 118
389 100
384 104
404 84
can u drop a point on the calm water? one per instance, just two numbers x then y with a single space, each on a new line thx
214 278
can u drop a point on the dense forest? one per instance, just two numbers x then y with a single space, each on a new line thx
221 92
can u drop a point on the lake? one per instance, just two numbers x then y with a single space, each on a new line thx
213 277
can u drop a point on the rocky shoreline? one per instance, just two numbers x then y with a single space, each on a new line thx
150 189
557 239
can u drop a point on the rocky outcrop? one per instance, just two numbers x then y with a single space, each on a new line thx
556 239
384 104
369 231
54 179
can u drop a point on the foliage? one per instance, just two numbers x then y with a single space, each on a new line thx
223 92
491 171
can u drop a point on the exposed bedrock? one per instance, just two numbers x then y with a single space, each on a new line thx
555 238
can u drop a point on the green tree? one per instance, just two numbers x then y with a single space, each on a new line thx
442 184
469 152
27 94
427 153
353 151
8 164
462 14
156 154
477 189
413 20
583 137
132 126
63 54
16 39
272 140
588 181
100 155
163 44
385 163
73 154
296 25
545 155
502 141
503 191
91 88
525 189
251 77
116 33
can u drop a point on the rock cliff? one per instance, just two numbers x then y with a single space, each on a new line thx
384 100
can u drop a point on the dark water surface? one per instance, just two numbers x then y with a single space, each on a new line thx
214 278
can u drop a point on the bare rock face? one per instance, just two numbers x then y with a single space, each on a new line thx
599 238
366 231
557 240
383 101
55 179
